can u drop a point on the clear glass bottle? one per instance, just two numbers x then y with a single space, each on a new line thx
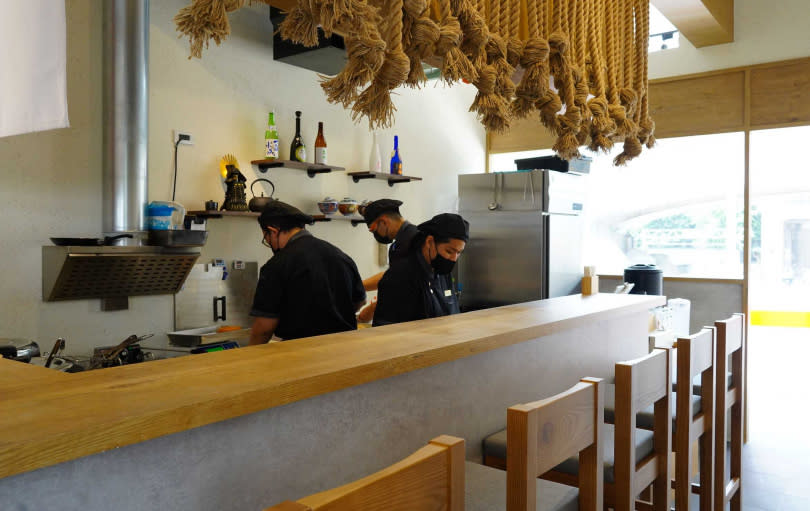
320 146
271 138
374 158
298 151
396 161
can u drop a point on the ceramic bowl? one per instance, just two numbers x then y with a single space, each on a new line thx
361 208
347 206
328 206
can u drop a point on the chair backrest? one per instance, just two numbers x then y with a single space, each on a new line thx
432 479
639 384
696 356
543 434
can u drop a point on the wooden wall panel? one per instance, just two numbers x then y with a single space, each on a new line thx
525 135
699 105
780 95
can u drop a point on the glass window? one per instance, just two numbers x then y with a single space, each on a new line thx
678 205
780 220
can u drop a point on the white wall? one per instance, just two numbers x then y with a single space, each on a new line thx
764 31
51 181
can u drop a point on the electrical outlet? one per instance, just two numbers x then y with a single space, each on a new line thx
186 137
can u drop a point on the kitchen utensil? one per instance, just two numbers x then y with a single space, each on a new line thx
347 206
205 335
88 242
258 203
109 357
58 345
328 206
24 349
179 238
165 215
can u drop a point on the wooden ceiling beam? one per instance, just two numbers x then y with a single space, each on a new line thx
702 22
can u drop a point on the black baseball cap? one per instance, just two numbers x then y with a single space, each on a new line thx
380 206
447 225
277 209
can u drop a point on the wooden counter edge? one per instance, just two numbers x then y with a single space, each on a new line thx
245 386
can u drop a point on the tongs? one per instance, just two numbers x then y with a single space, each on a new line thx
108 357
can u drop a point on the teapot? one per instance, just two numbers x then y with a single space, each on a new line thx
257 204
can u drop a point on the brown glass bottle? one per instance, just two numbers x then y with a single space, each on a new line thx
320 146
298 152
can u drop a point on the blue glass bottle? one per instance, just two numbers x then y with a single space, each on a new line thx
396 161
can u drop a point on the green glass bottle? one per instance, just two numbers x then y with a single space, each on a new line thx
271 138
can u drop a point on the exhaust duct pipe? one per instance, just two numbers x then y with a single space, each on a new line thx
126 112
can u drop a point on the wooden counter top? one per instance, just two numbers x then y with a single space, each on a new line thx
58 417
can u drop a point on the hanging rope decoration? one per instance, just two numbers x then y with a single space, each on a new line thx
582 63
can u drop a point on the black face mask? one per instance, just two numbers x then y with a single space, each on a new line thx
442 265
385 240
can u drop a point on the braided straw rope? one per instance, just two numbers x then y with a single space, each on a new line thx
375 102
421 34
579 71
602 126
455 64
204 20
627 95
568 124
514 45
646 125
534 85
365 50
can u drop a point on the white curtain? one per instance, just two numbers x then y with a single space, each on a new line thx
33 92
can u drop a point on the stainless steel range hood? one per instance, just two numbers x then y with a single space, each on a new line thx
74 273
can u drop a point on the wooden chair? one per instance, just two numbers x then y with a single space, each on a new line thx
431 479
633 459
541 435
730 344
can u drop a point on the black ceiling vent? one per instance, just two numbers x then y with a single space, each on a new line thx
328 58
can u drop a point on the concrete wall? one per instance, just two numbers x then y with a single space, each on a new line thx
251 462
50 184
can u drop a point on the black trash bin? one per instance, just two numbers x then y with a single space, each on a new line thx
648 279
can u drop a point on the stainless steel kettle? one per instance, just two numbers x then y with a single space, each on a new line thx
25 349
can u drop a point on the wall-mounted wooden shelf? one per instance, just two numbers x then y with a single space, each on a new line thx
220 214
312 169
355 220
391 178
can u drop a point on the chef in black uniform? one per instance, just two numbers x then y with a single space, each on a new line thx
420 286
388 226
309 287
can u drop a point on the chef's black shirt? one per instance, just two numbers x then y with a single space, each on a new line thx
409 290
402 241
311 286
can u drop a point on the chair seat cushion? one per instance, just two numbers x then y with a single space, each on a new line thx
644 447
495 446
645 418
485 490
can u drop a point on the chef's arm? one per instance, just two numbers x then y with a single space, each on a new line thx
371 283
262 330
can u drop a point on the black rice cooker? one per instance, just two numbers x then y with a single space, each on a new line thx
647 279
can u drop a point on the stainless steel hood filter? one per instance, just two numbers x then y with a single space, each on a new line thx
75 273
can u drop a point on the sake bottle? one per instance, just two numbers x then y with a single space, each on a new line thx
320 146
396 161
374 158
271 138
298 151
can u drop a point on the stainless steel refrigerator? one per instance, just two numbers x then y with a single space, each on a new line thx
526 237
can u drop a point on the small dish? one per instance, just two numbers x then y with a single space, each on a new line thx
328 206
347 206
